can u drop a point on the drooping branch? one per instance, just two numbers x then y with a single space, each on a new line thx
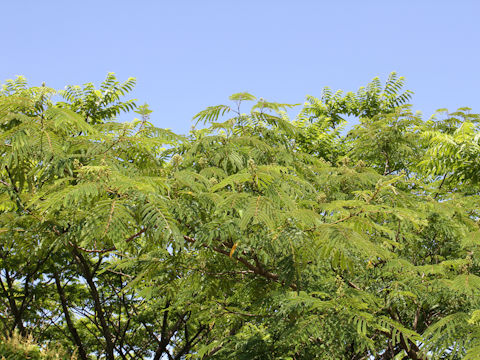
258 268
113 248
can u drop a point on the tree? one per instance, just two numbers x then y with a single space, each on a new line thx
72 188
254 237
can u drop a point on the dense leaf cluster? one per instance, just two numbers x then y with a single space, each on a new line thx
16 347
252 237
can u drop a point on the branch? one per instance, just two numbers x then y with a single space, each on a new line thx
440 187
257 269
347 217
68 319
99 310
113 248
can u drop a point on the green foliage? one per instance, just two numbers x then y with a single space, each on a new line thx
255 237
99 105
18 348
388 142
322 120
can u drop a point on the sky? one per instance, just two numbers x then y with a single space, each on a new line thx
187 55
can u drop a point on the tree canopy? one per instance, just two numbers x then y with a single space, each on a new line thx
254 236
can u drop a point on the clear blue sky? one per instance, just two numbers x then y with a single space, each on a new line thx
187 55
